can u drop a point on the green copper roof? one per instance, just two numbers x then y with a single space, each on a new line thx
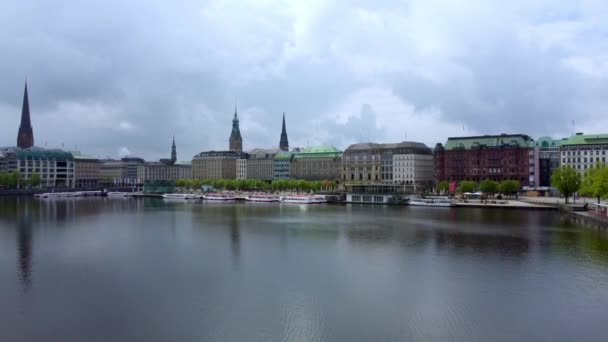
586 139
283 155
547 142
39 153
319 152
467 143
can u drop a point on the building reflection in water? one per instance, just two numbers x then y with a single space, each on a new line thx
24 249
235 236
24 214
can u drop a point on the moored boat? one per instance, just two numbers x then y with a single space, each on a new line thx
431 202
303 199
263 198
180 196
219 197
57 195
116 194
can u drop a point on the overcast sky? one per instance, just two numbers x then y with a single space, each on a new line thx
115 77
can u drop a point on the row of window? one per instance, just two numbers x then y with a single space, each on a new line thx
578 153
578 160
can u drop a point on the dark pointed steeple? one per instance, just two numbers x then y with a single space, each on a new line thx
236 141
25 137
284 142
173 152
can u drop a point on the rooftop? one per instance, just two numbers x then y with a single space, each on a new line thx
209 154
319 152
585 139
38 153
466 143
404 147
547 142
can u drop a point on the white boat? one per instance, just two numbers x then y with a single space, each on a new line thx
431 202
303 199
119 194
180 196
56 195
219 197
263 198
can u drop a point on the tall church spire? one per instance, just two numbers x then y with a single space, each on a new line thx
25 137
236 141
284 143
173 152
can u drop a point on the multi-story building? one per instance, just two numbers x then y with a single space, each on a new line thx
362 163
161 171
476 158
407 163
547 154
260 164
317 163
414 167
112 171
131 164
87 170
241 167
184 170
583 151
215 165
281 165
55 167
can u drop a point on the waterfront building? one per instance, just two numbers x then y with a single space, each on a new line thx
156 171
281 165
260 163
215 165
86 170
164 170
235 143
131 165
547 154
317 163
4 161
284 142
495 157
112 171
241 167
25 136
406 163
55 167
584 151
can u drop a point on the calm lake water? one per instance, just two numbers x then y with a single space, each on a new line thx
147 270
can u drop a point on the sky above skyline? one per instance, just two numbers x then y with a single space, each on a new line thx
112 78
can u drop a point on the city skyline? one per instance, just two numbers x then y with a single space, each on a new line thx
375 72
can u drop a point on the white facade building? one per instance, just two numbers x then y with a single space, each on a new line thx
583 152
241 168
413 169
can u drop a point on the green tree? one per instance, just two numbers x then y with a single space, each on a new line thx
466 186
4 179
443 187
488 186
595 183
566 180
35 179
14 179
509 187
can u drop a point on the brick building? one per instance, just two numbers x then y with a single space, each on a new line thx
495 157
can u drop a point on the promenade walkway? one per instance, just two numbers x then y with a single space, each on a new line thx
507 204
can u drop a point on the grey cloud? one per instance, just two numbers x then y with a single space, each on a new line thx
177 69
